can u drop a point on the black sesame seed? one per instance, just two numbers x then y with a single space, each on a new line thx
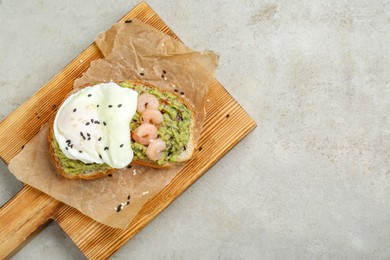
142 118
121 146
109 175
129 166
67 141
176 90
162 76
119 208
38 117
66 148
99 139
80 151
128 197
227 115
119 105
82 135
97 122
22 146
106 148
53 107
109 105
97 106
89 95
104 123
74 110
182 93
184 148
88 134
146 104
200 148
100 156
89 138
127 203
71 146
142 74
128 21
164 72
135 121
91 120
87 123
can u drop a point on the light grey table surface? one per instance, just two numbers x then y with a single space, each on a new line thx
310 182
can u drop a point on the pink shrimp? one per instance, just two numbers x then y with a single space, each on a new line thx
144 133
145 101
155 149
152 116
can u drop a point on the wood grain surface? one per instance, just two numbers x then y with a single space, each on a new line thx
23 216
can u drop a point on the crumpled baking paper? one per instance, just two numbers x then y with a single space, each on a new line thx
131 50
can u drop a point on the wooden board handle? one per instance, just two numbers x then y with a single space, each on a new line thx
22 217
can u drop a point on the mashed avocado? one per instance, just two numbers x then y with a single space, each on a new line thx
74 167
174 131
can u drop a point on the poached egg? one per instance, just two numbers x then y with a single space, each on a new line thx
93 125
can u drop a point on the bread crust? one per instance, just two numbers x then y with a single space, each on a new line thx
93 175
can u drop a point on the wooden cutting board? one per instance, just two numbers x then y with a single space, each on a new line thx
29 210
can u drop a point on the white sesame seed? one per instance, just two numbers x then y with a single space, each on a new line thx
145 193
134 172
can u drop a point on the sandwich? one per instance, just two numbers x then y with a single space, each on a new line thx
109 126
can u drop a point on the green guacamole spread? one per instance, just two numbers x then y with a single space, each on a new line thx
74 167
174 131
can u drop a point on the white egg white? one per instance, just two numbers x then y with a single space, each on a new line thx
93 125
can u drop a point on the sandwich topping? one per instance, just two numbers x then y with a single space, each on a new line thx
93 125
161 125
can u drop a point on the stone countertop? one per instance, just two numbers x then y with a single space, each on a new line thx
311 181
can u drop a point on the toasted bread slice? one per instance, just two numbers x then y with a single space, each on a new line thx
184 155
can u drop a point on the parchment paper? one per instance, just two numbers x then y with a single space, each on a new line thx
132 50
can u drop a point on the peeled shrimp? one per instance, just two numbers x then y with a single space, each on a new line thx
152 116
145 101
155 149
144 133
